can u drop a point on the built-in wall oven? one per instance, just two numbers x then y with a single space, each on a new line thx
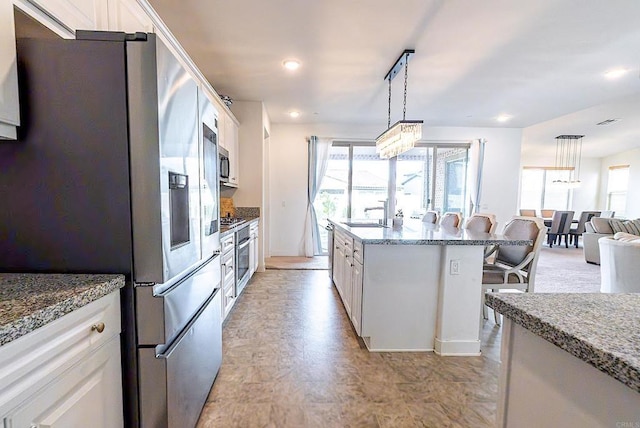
243 240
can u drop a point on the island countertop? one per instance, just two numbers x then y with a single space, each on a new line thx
29 301
601 329
416 232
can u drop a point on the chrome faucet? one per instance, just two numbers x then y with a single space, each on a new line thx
384 208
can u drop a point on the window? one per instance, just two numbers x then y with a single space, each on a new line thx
429 177
538 189
356 182
617 189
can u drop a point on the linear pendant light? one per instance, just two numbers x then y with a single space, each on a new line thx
568 157
403 135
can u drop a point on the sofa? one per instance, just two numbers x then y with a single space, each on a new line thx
620 269
599 227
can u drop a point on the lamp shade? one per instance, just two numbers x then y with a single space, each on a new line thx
399 138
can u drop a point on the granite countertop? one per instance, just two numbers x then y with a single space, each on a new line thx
29 301
225 230
416 232
600 329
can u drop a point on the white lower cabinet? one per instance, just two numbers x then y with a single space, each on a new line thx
87 395
348 276
227 244
66 373
356 293
253 249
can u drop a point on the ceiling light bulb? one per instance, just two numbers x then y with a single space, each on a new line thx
291 64
294 114
503 118
615 73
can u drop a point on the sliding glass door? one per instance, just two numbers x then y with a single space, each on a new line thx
428 177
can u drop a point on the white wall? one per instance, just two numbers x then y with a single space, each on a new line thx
253 183
288 172
631 158
586 197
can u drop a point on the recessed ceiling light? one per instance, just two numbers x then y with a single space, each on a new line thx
291 64
503 118
294 114
615 73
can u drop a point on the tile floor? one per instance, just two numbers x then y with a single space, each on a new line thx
292 359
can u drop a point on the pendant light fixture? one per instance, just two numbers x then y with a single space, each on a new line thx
568 157
403 135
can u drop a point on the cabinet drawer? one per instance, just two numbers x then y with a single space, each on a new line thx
228 299
227 243
228 266
45 353
358 253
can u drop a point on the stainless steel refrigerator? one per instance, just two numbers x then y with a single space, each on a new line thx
116 171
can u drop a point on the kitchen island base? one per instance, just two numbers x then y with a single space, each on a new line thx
543 385
412 302
413 288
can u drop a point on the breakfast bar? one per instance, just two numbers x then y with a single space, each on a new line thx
569 359
416 287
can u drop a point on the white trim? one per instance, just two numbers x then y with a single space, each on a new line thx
459 348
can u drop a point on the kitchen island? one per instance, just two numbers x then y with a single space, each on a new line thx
569 359
412 288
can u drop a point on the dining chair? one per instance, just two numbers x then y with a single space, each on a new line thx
527 213
431 217
514 266
481 222
576 233
560 226
547 213
451 219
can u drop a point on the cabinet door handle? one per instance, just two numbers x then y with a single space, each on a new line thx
99 327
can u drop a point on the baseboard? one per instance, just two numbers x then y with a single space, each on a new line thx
458 347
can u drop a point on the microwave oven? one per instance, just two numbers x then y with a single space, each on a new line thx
223 154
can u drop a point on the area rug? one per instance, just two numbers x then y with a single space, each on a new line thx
563 270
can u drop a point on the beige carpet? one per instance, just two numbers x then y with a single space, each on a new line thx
563 270
297 263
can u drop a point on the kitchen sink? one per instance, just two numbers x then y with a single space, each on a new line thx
359 224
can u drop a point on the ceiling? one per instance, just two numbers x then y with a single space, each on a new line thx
542 62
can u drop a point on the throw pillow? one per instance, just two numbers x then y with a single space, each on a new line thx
601 225
629 226
626 237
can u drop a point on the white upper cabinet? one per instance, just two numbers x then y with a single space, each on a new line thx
128 16
9 106
231 144
73 14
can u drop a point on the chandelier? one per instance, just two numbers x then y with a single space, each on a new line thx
403 135
568 157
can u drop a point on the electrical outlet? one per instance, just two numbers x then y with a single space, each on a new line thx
455 267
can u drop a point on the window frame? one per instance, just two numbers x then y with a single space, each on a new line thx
611 193
545 170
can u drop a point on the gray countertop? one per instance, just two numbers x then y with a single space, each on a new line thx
600 329
416 232
29 301
225 230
